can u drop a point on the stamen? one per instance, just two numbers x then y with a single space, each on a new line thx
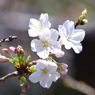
41 27
46 43
68 37
44 71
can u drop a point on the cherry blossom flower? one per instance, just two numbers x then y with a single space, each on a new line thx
71 37
46 73
47 44
37 26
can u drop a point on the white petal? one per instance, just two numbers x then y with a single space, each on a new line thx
62 31
35 77
54 34
55 76
78 35
34 23
44 20
52 67
49 82
69 26
54 47
41 64
46 82
45 35
36 45
43 53
66 43
33 32
77 47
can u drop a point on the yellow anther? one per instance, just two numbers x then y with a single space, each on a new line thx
44 71
68 37
41 27
46 43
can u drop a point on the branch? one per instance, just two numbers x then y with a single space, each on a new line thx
15 73
76 85
8 39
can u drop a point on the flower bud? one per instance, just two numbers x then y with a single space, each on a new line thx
83 22
13 49
64 71
26 85
59 54
28 59
3 59
22 80
6 51
20 51
32 69
84 12
63 68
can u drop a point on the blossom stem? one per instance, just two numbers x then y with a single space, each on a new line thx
50 57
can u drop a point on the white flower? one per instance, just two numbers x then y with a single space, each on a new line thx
71 37
45 74
47 43
37 26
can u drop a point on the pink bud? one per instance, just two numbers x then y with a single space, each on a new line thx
13 49
26 85
3 59
64 71
59 54
6 51
19 48
64 66
20 51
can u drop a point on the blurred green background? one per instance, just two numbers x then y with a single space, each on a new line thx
14 20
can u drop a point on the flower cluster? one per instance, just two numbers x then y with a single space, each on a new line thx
49 43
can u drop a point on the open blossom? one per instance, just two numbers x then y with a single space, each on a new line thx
47 44
45 74
71 37
37 26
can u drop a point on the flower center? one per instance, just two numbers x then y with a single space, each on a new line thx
41 27
44 71
68 37
46 43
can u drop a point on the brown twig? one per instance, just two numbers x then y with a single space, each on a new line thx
76 24
8 39
15 73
